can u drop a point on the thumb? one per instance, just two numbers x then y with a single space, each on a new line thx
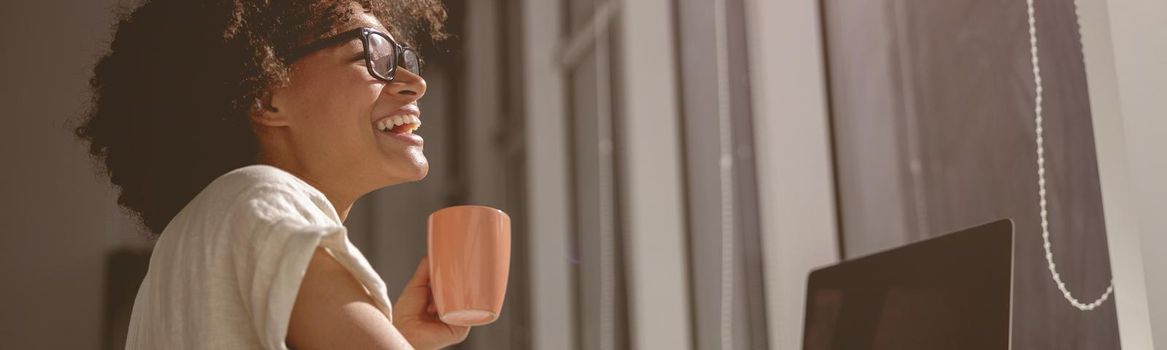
416 294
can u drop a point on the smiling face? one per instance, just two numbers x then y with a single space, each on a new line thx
328 125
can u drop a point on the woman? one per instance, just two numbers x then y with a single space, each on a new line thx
241 132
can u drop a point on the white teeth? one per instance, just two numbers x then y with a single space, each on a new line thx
394 121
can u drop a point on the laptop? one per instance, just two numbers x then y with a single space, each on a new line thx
948 292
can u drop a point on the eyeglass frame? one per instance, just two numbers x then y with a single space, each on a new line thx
362 33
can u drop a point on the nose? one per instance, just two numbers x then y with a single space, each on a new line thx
407 86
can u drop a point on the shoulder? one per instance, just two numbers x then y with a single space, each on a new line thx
267 194
258 176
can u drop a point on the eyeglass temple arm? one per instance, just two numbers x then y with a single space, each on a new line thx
296 53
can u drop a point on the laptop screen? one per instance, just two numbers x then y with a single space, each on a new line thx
947 292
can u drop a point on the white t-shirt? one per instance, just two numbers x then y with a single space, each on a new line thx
225 272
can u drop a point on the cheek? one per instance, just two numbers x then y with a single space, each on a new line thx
335 102
339 102
352 92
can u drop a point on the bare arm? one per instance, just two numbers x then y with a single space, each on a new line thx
332 311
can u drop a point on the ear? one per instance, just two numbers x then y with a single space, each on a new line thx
265 112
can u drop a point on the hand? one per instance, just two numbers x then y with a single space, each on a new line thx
416 316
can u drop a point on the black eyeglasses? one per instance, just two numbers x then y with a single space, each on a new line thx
382 54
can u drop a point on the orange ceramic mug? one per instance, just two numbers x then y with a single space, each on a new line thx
469 255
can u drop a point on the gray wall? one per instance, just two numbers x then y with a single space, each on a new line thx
59 220
1125 44
1139 35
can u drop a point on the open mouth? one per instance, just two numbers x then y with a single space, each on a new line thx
398 124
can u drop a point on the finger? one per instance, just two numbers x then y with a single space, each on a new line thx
421 276
416 294
460 332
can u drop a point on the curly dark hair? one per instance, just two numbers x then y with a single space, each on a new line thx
171 99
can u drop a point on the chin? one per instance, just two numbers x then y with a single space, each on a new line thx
410 173
418 174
